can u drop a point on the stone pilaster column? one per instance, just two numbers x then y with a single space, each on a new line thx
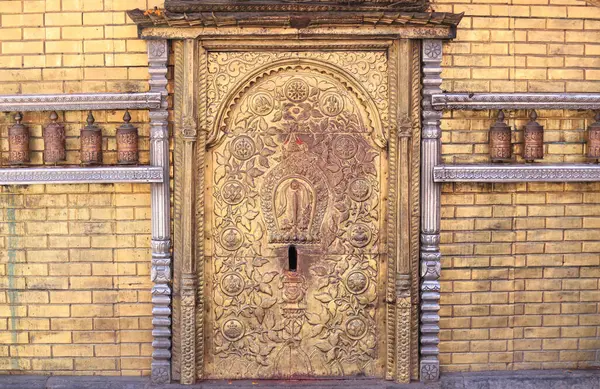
430 213
161 232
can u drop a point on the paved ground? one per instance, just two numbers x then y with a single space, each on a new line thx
549 379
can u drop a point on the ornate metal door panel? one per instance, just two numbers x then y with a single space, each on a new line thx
295 219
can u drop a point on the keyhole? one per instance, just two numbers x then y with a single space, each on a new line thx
292 258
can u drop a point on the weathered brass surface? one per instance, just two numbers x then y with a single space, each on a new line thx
287 162
297 167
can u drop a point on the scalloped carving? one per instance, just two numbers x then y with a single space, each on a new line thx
375 125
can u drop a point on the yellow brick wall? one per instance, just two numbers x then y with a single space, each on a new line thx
71 46
520 276
74 259
525 46
74 279
520 261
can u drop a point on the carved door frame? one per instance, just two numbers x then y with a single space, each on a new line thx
403 132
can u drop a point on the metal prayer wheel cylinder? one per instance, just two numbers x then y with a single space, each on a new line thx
54 141
18 142
534 139
500 145
127 142
593 139
90 139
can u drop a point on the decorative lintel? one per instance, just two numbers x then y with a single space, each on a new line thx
480 101
517 173
79 101
80 175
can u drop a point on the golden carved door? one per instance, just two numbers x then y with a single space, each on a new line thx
295 231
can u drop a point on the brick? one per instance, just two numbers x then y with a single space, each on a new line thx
54 364
94 337
543 356
23 20
95 364
542 333
29 350
51 337
70 297
63 19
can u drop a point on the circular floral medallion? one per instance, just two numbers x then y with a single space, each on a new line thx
345 147
233 330
233 192
357 282
356 328
433 49
232 284
331 103
429 371
296 90
243 147
360 235
261 103
360 189
231 238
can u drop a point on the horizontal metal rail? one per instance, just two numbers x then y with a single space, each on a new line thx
81 175
517 173
480 101
80 102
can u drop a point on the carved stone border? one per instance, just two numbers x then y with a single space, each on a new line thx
478 101
430 212
80 102
161 224
517 173
80 175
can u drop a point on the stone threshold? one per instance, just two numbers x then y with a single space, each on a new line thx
533 379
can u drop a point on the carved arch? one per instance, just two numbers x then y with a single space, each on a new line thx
377 130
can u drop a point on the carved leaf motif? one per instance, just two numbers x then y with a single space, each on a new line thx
322 283
331 355
265 288
323 297
218 312
268 302
246 224
251 214
218 264
262 125
255 172
218 299
319 270
219 174
341 267
317 330
258 233
263 161
324 346
258 262
268 277
259 312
